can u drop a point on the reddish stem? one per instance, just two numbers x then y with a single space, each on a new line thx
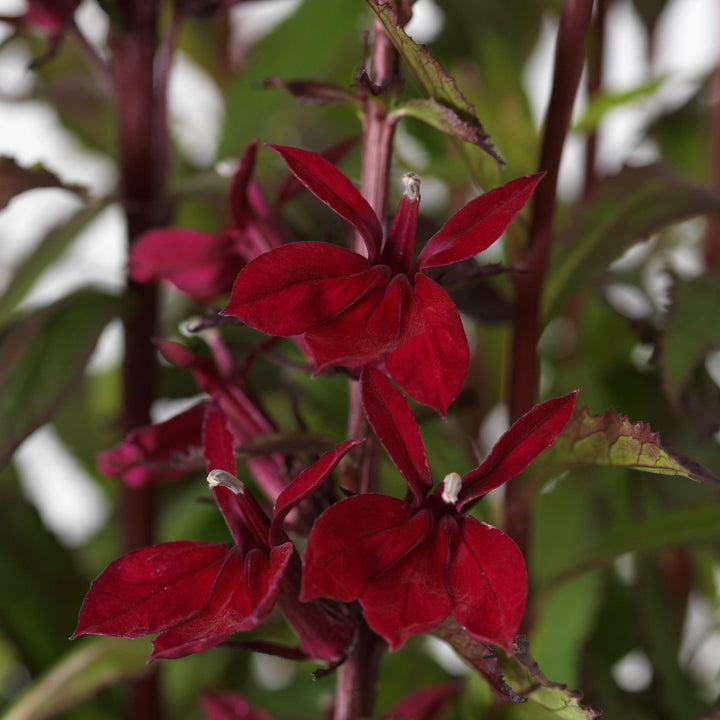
569 59
711 249
356 678
143 143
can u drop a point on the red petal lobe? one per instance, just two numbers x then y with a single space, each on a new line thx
294 287
488 583
393 423
328 184
479 224
432 361
518 447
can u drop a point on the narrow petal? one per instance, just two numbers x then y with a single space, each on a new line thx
411 596
306 483
152 589
518 447
202 266
343 555
238 194
394 424
328 184
220 455
294 287
479 224
155 453
431 364
400 242
488 583
366 331
242 597
229 706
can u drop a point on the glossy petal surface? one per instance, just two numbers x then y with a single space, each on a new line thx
478 225
328 184
431 362
293 288
343 555
488 583
393 423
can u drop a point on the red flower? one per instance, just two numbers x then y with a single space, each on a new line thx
202 265
196 594
353 310
50 16
412 564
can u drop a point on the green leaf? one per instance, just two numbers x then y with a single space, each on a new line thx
610 439
42 359
48 251
691 330
627 207
79 675
432 77
15 179
438 116
523 674
602 103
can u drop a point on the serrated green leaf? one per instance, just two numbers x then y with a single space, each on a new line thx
692 328
432 77
47 252
523 674
80 674
627 207
15 180
610 439
42 358
438 116
602 103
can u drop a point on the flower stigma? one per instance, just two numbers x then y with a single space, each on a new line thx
221 478
411 181
451 487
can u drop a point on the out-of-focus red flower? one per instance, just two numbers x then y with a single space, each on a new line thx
49 16
353 310
412 564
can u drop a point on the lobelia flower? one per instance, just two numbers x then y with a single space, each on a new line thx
353 309
202 265
196 594
412 564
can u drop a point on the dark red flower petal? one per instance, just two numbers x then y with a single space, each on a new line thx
410 595
238 193
305 484
294 287
49 15
202 266
153 453
400 242
393 423
488 582
354 540
229 706
431 362
478 225
242 596
518 447
328 184
366 331
425 704
152 589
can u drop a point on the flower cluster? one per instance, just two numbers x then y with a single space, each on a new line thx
412 563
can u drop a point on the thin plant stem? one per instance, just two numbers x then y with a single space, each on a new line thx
711 243
569 60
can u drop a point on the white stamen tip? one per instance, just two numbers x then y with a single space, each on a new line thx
412 185
451 488
220 478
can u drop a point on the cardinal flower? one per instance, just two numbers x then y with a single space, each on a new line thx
354 309
193 594
411 564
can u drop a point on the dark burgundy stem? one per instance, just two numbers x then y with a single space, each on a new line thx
711 248
143 151
596 55
356 677
569 59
